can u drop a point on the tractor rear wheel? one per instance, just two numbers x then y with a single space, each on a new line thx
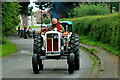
35 64
75 50
38 42
71 63
75 43
34 34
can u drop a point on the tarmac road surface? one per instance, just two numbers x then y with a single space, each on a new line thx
19 64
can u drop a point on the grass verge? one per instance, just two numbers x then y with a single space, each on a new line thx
107 47
93 58
7 47
94 63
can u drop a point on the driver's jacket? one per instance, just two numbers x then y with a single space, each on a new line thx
52 28
61 28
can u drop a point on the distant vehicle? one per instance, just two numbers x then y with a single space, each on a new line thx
27 32
38 24
45 27
48 25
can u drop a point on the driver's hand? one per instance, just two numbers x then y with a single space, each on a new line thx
43 33
61 31
38 32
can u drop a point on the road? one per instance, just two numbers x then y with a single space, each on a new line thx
18 65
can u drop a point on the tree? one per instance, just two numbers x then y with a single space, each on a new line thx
58 8
46 21
113 4
91 9
66 8
10 13
24 8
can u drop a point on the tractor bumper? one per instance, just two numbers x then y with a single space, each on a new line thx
53 57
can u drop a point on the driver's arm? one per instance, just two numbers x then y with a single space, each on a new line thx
49 29
62 28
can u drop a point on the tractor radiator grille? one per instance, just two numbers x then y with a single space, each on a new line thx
55 44
52 45
49 44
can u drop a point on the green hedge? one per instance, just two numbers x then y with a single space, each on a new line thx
91 9
102 28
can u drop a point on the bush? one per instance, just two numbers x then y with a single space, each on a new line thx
46 21
104 28
91 9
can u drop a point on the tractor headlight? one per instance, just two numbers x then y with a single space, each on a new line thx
62 47
65 37
69 47
43 48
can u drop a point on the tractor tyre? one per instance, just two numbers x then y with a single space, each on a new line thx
38 42
35 64
71 58
74 44
34 34
75 50
40 64
77 62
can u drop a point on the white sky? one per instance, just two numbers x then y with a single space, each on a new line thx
33 4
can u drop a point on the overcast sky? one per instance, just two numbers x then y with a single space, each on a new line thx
33 4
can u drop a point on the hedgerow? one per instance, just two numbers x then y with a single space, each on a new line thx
102 28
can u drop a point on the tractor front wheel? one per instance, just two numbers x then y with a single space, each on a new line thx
71 58
77 64
35 64
40 65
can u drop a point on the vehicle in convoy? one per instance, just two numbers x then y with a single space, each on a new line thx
27 32
56 45
44 27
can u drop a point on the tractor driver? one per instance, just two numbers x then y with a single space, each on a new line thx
53 26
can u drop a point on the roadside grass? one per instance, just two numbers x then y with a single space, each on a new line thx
94 63
7 47
93 58
107 47
0 50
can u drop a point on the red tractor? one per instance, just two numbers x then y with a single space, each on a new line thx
56 45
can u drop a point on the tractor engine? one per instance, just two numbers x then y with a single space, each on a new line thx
53 43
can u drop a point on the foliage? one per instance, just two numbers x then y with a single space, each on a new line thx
113 4
46 21
10 13
62 8
104 28
29 26
90 9
88 40
24 8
